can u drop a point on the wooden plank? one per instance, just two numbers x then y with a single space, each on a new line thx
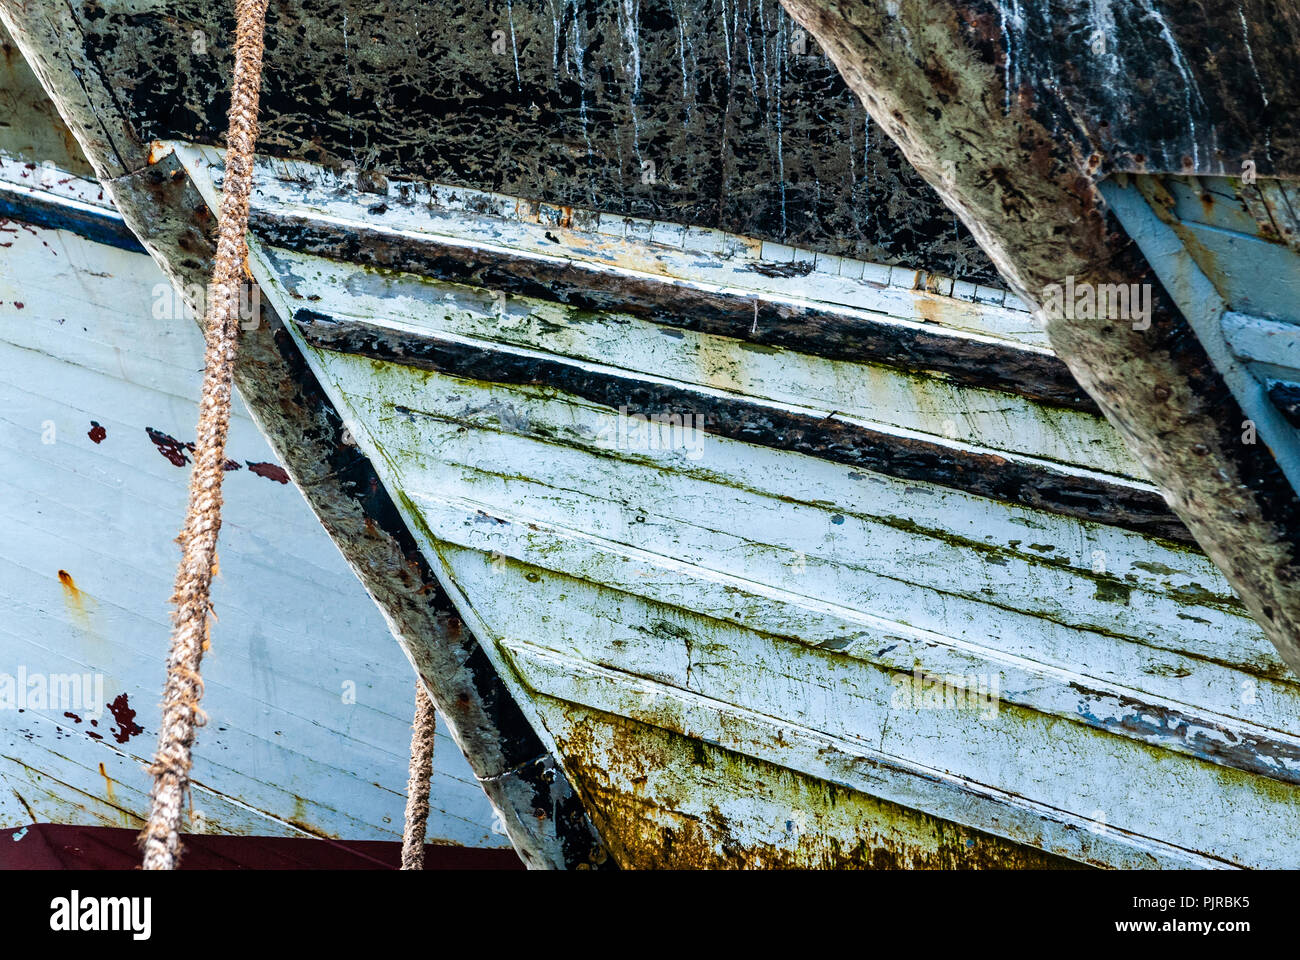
871 771
800 429
845 334
1187 259
884 394
1169 598
896 323
1211 201
839 560
35 207
715 257
1251 274
688 603
1264 341
410 401
679 803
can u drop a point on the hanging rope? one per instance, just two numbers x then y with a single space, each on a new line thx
417 787
191 625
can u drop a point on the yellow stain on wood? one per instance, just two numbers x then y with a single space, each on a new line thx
108 783
661 800
72 594
79 604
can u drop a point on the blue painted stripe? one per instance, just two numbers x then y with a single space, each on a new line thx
106 227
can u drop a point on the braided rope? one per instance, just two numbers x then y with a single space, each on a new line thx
160 838
417 787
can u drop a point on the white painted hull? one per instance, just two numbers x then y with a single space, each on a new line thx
720 638
308 699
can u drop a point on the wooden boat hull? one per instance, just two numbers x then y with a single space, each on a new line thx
307 698
753 644
790 547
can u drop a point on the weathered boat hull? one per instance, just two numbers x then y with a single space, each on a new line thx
308 700
1016 115
813 620
790 550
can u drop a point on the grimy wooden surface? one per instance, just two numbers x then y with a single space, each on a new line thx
720 633
1023 168
715 637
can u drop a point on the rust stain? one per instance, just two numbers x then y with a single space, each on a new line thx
158 150
121 710
96 433
76 601
108 782
1205 258
686 820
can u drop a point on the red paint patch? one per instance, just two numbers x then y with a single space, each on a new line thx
175 450
125 717
97 433
270 471
170 447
